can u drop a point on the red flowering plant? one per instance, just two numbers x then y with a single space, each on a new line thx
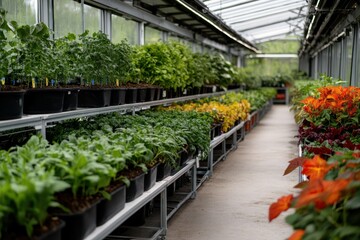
328 205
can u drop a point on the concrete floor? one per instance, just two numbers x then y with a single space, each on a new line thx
234 203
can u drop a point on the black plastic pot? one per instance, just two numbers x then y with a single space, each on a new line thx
118 96
158 93
42 101
131 95
163 171
150 95
150 178
106 209
136 188
53 234
11 104
71 99
141 94
92 98
196 90
79 225
137 219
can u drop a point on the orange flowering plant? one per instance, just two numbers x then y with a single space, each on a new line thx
328 206
335 106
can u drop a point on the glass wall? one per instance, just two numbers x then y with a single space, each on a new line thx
152 35
124 29
22 11
92 18
67 17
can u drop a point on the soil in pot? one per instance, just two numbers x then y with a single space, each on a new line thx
81 220
150 177
106 209
50 230
92 98
43 100
11 104
71 99
118 96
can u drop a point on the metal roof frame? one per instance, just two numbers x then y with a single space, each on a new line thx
283 17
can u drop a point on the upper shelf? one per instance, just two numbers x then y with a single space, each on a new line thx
40 120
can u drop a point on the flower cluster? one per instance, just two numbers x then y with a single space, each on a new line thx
328 205
335 105
226 114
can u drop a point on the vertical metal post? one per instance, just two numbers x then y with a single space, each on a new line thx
300 168
43 129
234 141
141 32
82 16
224 148
163 211
194 181
211 161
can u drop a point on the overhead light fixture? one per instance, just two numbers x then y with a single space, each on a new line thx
312 21
217 27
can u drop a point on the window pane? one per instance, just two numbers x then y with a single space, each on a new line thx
92 18
124 29
152 35
22 11
67 17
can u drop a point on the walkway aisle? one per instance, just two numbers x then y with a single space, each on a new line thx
233 204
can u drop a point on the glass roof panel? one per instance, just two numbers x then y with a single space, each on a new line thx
257 20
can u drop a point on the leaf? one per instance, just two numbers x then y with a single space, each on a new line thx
354 202
297 235
301 185
346 231
105 195
280 206
315 168
294 163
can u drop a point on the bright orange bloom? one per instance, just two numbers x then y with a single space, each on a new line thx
316 167
297 235
280 206
322 193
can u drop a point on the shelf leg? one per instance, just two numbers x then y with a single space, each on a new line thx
163 212
194 181
211 161
234 141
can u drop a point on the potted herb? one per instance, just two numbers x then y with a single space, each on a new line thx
11 96
121 64
32 69
96 70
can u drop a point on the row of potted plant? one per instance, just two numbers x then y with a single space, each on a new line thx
73 178
41 75
231 108
328 204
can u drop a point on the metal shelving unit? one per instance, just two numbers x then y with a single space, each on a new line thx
40 121
233 137
130 208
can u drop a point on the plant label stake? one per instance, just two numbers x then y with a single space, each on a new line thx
117 82
2 81
33 83
46 82
52 82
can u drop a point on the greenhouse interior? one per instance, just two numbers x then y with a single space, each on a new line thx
180 119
